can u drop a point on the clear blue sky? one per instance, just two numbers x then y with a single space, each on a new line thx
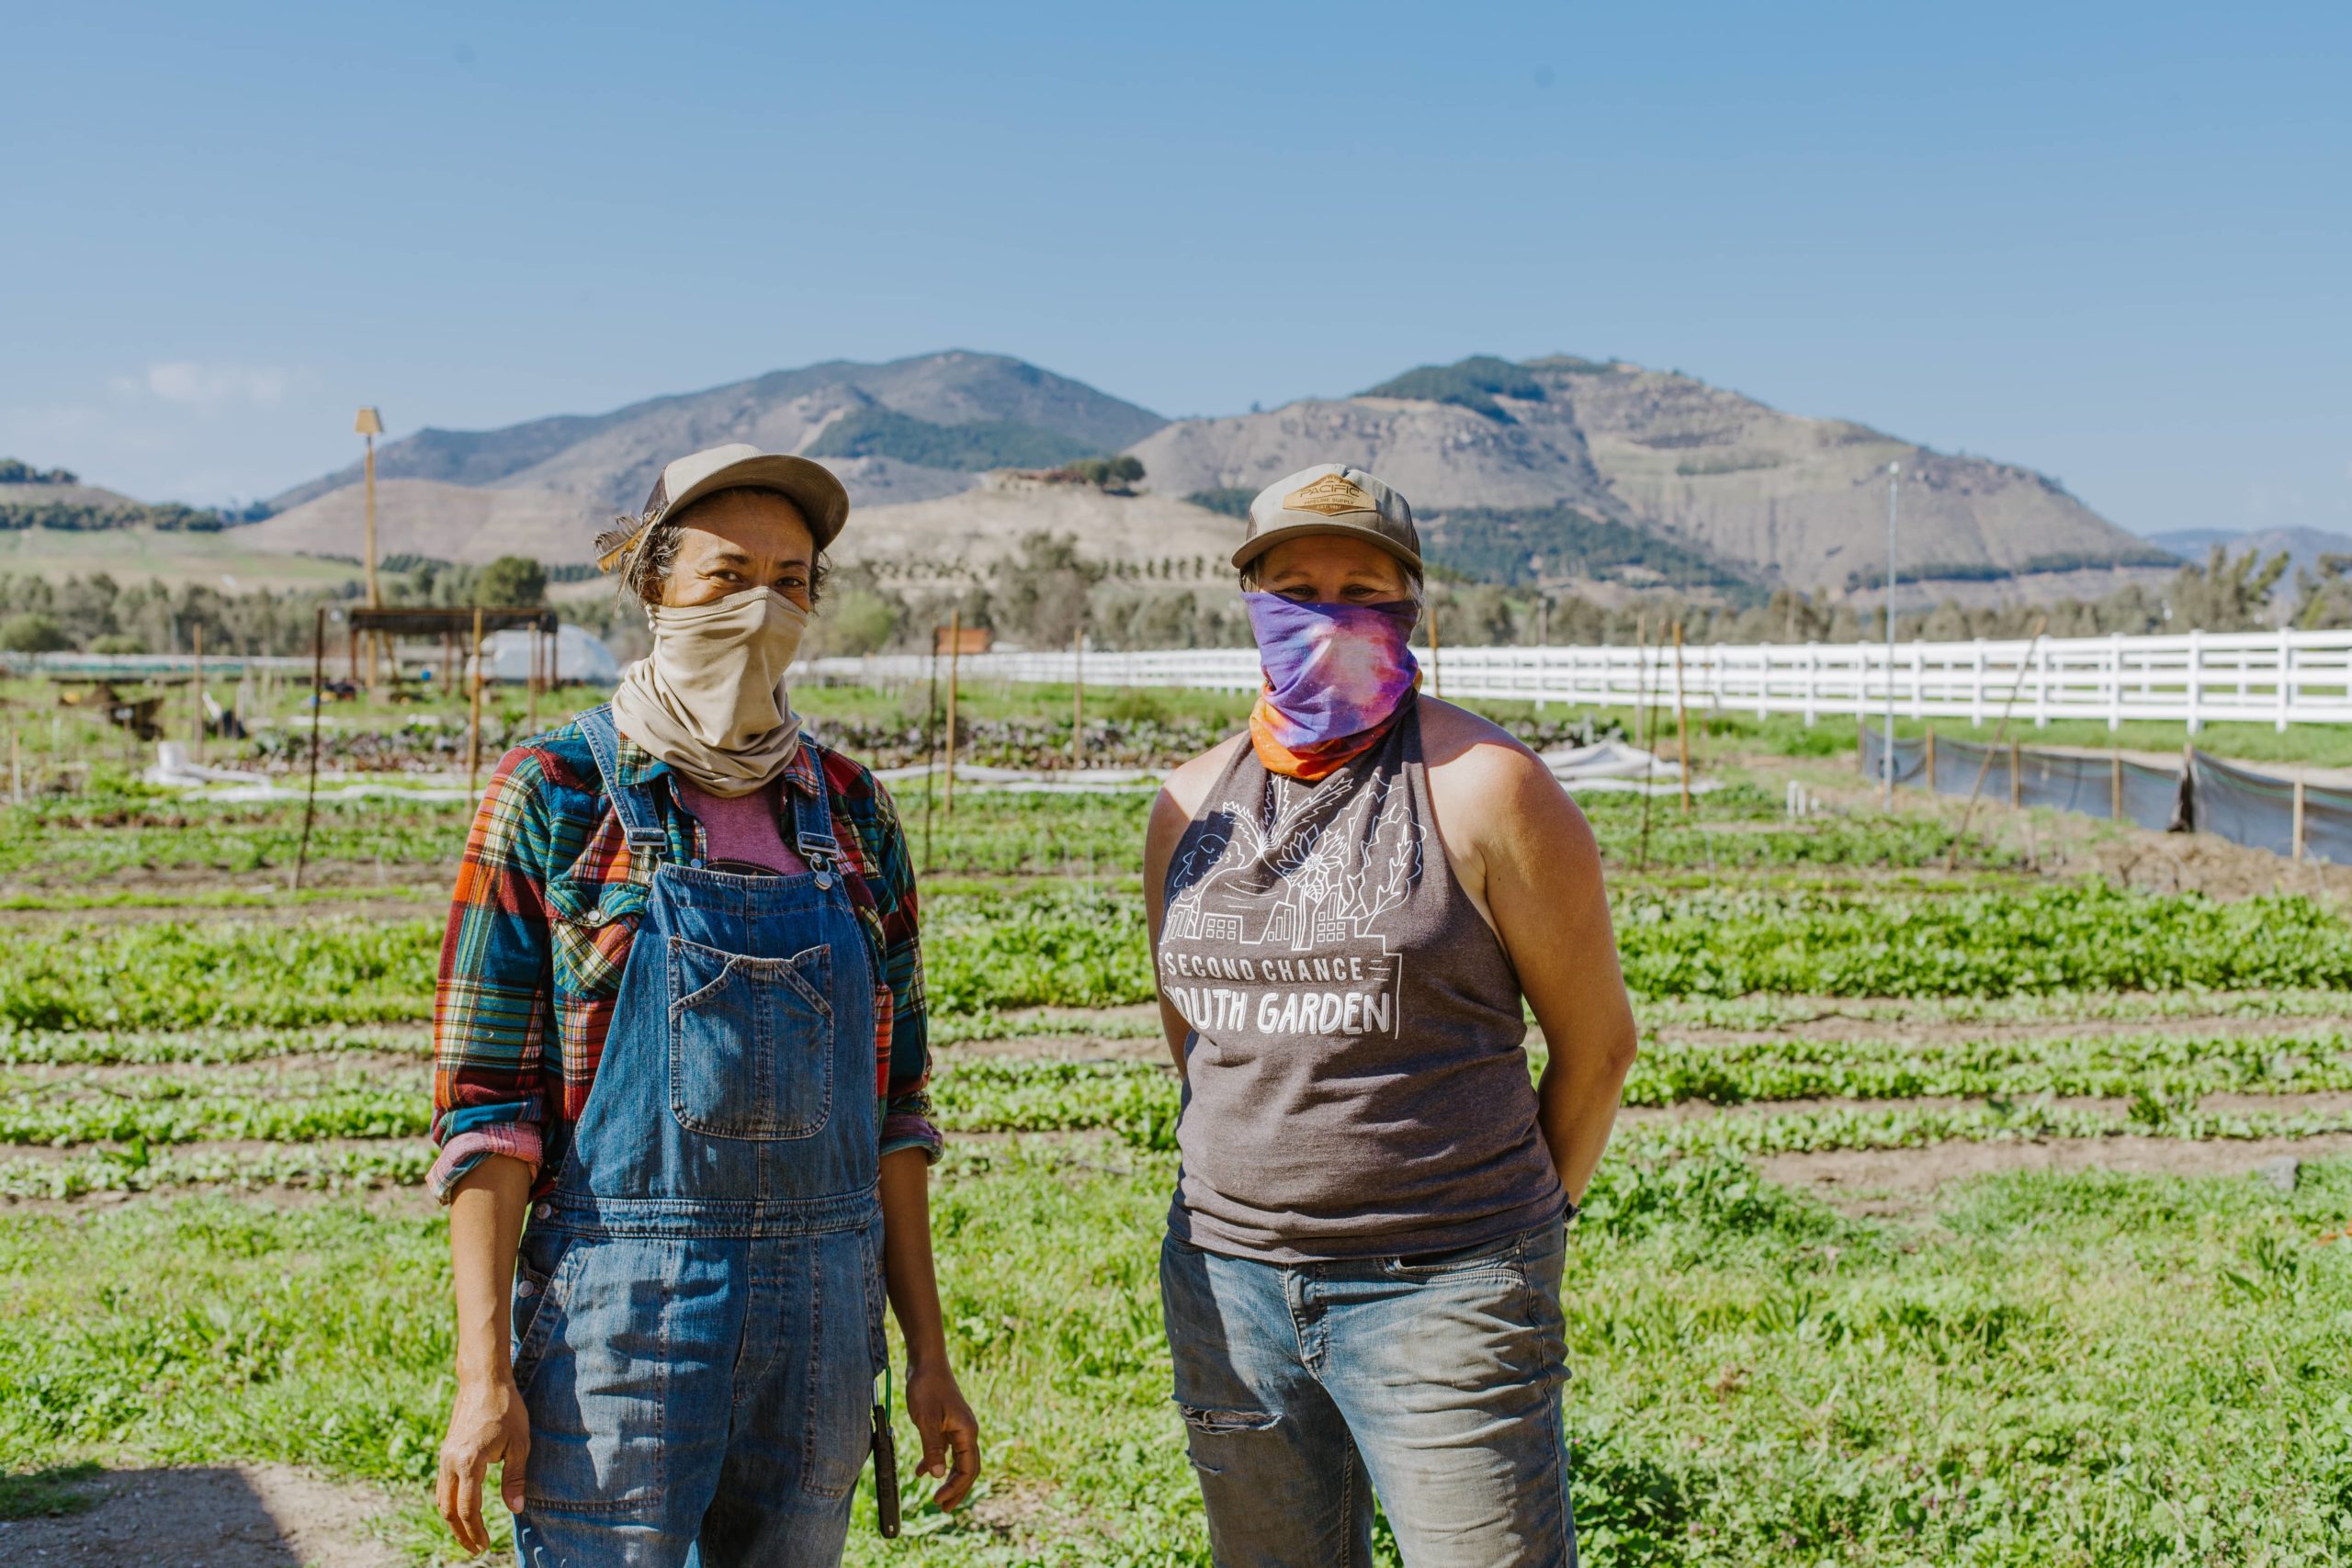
2112 242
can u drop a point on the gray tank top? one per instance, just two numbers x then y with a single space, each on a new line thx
1355 1082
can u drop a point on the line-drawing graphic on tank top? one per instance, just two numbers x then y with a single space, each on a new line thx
1286 896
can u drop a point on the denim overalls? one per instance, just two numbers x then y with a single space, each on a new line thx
698 1306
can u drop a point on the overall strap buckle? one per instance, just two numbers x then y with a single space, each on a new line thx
812 822
633 804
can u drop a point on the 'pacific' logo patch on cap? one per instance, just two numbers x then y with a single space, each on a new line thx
1330 495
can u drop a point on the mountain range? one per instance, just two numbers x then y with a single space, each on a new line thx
1559 471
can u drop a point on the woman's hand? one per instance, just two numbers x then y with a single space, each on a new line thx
945 1424
488 1425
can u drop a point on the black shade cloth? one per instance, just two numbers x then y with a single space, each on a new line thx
2256 809
2209 796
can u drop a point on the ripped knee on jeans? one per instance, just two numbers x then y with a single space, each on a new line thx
1220 1422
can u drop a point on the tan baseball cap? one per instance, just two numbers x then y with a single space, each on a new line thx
1331 497
810 485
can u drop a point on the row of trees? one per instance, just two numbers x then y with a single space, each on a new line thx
1041 595
1046 592
97 614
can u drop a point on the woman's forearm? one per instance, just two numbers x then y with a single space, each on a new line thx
907 1268
1576 1108
485 1224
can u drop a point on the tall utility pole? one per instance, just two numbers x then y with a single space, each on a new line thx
371 424
1894 479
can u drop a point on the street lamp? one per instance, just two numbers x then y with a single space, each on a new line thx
371 424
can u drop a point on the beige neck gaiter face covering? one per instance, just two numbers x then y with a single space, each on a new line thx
709 700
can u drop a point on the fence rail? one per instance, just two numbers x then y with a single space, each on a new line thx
2277 678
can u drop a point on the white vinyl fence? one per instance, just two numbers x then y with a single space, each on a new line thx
2279 677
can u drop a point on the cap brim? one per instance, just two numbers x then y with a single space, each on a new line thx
1252 549
810 485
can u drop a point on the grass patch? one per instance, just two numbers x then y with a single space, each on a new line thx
2054 1369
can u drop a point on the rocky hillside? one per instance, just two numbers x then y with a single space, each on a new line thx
1560 470
1773 497
909 430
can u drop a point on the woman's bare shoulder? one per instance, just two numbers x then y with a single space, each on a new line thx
1491 778
1188 785
1452 735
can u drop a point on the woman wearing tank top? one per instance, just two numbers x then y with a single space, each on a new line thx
1361 1275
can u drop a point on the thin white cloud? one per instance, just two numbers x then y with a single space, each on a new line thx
209 387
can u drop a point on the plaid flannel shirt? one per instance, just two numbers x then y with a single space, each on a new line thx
546 908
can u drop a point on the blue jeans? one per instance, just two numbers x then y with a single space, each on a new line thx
1433 1383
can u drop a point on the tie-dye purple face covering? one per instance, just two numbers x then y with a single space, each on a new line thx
1335 674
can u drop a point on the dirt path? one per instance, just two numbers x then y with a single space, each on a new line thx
245 1515
1873 1179
1846 1026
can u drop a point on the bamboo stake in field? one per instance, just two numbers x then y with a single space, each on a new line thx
1951 859
1078 699
318 715
1681 719
196 735
954 666
1641 711
473 721
1641 674
931 749
538 639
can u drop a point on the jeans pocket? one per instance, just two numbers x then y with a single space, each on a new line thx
838 1432
1483 1257
750 1042
541 1283
600 1398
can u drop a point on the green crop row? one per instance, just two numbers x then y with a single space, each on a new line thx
1139 1103
1911 1127
205 1114
168 976
2172 1067
213 1047
1072 944
990 832
141 1170
2080 937
229 837
1796 1012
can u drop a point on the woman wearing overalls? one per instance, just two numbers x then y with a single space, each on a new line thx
1350 906
680 1022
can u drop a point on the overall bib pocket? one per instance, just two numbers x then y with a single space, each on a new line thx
750 1042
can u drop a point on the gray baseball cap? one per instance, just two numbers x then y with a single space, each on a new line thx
810 485
1331 497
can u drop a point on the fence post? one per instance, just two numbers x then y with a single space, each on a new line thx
2039 654
2115 787
1930 766
1976 697
2195 675
2115 676
1812 680
1918 678
2286 684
